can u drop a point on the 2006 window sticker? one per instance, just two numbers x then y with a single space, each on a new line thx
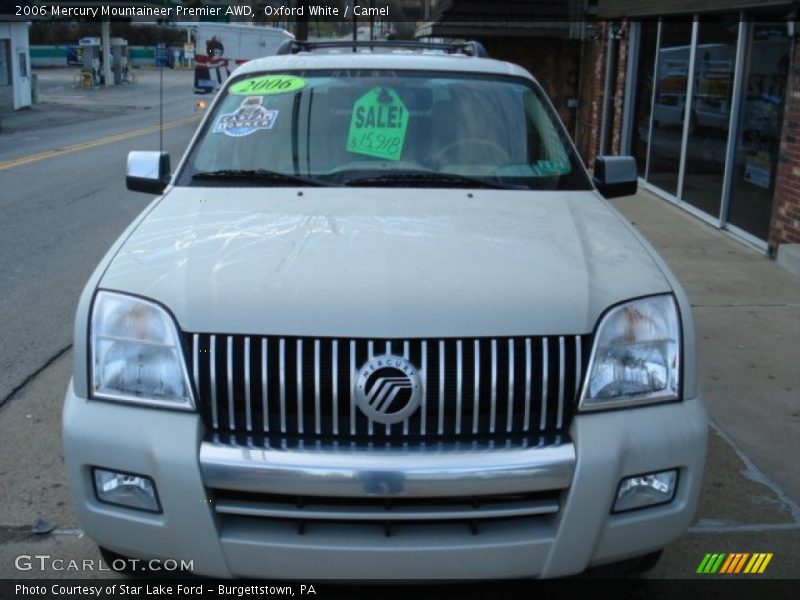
250 117
267 85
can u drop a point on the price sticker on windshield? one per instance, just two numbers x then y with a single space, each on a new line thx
378 125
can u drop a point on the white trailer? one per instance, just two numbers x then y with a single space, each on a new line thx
220 48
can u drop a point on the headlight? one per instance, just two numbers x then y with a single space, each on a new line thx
136 354
636 355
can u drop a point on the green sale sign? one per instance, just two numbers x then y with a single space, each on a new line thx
378 125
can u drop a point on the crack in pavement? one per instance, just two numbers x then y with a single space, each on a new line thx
755 474
33 375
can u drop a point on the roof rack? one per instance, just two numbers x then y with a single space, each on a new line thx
471 48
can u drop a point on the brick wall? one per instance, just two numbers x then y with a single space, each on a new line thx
574 69
785 228
619 91
590 114
591 96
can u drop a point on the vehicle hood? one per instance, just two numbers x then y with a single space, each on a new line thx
384 263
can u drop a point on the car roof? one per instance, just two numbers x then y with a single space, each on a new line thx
399 59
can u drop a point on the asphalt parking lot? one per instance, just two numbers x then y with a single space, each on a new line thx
747 312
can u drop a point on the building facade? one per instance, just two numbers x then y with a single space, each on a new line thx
708 98
545 37
704 93
15 68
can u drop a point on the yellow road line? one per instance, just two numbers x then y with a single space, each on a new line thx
32 158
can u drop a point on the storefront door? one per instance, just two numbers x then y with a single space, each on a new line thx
710 113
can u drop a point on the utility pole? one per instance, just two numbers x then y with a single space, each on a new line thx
302 21
105 42
371 21
355 27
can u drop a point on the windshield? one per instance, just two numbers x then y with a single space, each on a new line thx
383 128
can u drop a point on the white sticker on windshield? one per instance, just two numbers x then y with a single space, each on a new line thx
248 118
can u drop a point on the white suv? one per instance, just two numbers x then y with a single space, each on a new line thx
380 323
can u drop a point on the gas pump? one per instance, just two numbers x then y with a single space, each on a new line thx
119 59
92 61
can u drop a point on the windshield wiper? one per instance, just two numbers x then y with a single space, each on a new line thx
429 179
261 175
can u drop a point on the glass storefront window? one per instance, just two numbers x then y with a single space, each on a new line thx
760 122
23 64
714 65
672 72
707 123
644 93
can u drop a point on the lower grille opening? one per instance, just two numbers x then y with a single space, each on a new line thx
386 513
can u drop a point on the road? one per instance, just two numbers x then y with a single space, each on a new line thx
64 201
60 213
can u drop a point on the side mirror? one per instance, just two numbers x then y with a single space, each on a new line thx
147 172
615 175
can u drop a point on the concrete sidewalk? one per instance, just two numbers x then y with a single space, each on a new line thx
747 316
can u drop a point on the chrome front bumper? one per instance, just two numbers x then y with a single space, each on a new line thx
229 533
434 471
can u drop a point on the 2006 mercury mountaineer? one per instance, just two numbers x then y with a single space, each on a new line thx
380 323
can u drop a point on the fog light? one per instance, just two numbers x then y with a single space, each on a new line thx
126 489
646 490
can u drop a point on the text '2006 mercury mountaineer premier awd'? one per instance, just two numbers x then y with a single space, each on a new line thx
381 323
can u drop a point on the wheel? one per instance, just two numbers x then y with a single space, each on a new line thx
492 146
631 567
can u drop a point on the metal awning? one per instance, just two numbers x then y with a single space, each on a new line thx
482 18
615 9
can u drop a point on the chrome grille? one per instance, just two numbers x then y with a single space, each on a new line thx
302 387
